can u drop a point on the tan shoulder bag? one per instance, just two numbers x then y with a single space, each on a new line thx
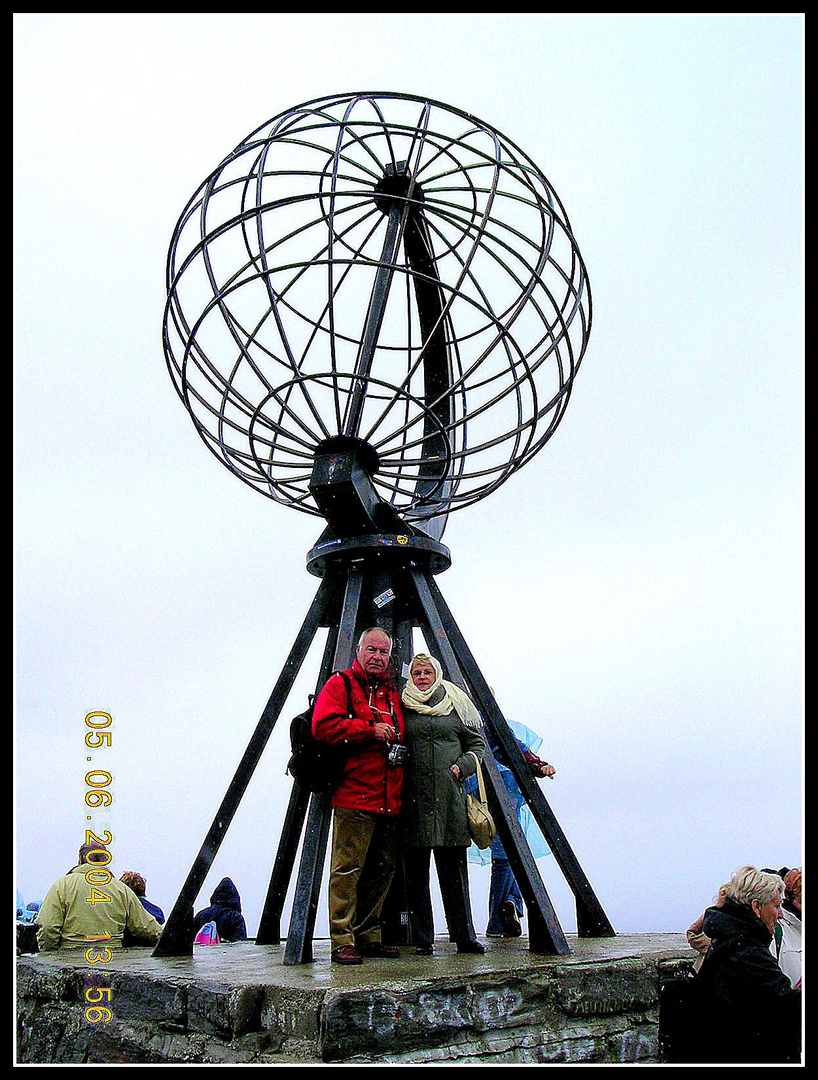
481 823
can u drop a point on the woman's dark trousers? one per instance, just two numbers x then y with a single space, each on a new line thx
453 878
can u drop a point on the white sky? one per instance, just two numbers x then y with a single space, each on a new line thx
635 594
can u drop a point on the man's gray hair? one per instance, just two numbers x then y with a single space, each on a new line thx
373 630
86 850
749 884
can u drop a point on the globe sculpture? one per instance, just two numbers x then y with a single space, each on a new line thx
375 312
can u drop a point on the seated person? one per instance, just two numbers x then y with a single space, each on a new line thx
753 1013
786 946
225 912
72 915
137 883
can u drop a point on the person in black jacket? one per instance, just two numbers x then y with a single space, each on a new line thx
749 1012
225 911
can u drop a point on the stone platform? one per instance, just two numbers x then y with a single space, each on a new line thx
238 1004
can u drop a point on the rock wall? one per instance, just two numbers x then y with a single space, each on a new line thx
596 1012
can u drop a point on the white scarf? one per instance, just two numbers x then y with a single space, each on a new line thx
453 697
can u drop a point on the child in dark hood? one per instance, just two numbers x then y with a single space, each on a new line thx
225 911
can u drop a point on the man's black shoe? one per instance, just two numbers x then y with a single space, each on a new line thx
377 948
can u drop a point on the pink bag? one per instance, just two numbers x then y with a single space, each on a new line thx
208 935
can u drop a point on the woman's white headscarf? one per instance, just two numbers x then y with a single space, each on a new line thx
453 698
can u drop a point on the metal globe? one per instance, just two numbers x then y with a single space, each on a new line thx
384 268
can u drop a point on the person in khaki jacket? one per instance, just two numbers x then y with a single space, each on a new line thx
77 912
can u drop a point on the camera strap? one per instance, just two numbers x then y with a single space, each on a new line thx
382 713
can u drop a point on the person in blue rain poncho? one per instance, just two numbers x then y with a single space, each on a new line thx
505 901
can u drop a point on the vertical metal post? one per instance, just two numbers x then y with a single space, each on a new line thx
395 927
374 318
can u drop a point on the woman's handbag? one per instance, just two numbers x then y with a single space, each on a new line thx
481 823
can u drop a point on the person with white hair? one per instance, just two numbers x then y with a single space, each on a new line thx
359 711
750 1014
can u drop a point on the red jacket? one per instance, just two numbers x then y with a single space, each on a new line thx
368 783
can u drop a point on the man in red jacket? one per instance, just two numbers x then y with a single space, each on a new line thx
367 800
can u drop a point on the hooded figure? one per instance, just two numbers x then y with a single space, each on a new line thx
225 911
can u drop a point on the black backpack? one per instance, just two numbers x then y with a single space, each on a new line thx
314 765
682 1022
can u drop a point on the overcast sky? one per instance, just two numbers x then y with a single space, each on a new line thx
635 594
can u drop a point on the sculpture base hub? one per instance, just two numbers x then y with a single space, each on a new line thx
407 548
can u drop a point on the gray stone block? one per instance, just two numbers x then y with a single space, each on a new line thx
149 1001
224 1011
379 1021
605 989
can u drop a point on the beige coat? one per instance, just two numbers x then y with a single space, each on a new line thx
71 914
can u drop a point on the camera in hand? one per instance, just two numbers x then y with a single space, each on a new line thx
397 754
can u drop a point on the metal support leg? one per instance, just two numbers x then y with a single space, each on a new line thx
269 927
305 902
545 932
177 939
591 919
298 949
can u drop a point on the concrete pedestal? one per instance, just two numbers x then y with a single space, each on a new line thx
238 1003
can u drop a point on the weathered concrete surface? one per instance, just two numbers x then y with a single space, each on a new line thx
238 1003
